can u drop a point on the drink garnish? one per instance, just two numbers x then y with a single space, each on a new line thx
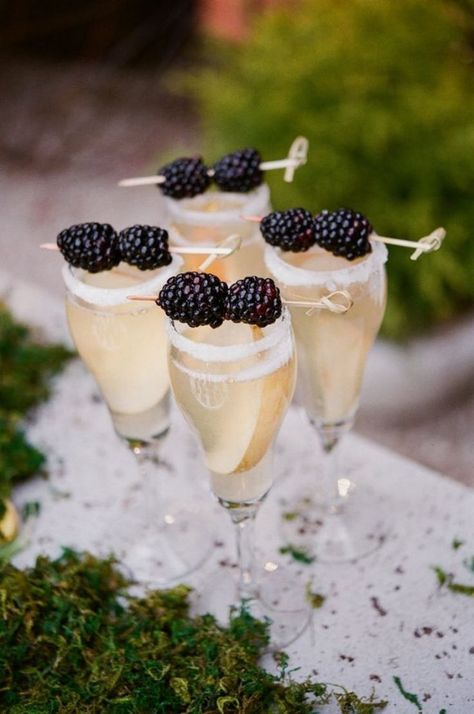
257 300
344 232
203 299
253 300
145 247
239 171
96 247
184 178
293 229
194 298
90 246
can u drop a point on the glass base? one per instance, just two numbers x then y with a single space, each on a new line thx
144 427
161 552
352 529
276 599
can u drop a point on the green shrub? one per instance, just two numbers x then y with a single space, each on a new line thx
384 92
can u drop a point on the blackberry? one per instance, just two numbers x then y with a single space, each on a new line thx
343 232
146 247
90 246
289 230
184 178
253 300
194 298
239 171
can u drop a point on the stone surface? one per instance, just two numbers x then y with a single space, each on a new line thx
383 616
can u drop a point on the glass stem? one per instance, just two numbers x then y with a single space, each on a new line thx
147 455
243 518
330 468
330 436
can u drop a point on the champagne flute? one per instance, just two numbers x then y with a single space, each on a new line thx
342 521
124 346
212 216
233 385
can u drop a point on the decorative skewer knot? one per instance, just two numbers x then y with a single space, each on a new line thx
327 302
332 305
299 153
429 243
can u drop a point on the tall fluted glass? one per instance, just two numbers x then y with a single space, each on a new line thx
333 517
233 385
124 345
210 218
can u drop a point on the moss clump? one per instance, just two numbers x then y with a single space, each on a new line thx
71 640
388 112
25 369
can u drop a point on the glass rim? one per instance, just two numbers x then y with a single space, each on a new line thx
295 276
186 210
109 297
274 334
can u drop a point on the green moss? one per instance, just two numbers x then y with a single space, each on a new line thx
25 370
388 112
71 640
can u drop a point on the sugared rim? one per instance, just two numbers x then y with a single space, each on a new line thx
291 275
189 210
272 335
107 297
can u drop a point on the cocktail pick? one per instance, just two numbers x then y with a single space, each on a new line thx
297 156
211 250
327 302
427 244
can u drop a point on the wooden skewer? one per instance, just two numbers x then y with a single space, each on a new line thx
427 244
297 156
395 241
145 298
180 250
158 179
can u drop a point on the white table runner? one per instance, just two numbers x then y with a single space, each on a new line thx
384 615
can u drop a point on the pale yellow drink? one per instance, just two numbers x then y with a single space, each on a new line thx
233 385
123 343
332 347
209 218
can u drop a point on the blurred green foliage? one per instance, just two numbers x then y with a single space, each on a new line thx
384 92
